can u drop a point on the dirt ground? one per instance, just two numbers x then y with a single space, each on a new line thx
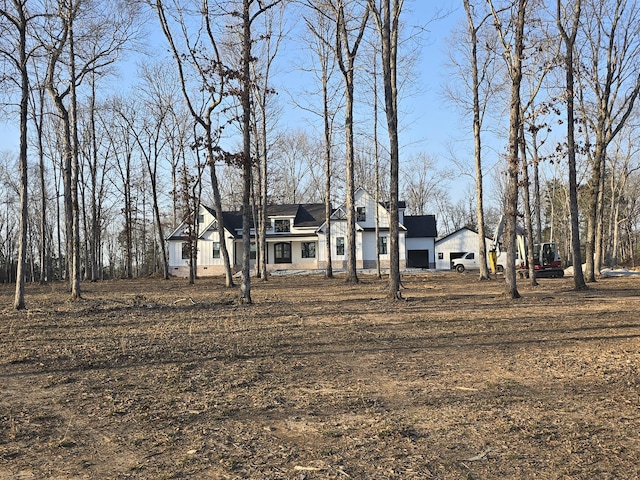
153 379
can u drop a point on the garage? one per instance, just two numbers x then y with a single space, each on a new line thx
418 259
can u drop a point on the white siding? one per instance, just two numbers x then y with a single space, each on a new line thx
364 236
464 240
369 246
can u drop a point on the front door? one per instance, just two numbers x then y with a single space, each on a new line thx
282 252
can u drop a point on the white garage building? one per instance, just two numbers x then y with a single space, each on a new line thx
455 245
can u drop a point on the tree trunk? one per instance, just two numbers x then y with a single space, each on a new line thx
351 272
327 171
387 20
514 55
347 67
569 43
21 25
527 207
217 207
477 141
245 287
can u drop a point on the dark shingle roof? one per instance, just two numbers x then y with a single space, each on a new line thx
310 215
305 215
419 226
285 210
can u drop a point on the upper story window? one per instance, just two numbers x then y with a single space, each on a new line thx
282 225
361 214
201 218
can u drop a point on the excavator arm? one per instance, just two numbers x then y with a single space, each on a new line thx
494 250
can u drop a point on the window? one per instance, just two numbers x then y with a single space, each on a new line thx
308 250
382 245
282 252
201 218
282 225
361 214
252 251
186 250
216 249
339 245
440 255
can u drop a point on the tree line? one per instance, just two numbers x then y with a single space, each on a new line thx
104 173
566 74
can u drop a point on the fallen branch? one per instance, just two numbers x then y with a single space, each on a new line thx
480 456
184 300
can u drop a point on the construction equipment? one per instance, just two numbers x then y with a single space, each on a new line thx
494 251
546 258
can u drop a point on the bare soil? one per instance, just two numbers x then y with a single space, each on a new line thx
317 379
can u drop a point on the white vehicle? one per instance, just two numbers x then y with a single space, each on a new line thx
469 261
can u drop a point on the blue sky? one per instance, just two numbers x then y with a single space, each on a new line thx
431 125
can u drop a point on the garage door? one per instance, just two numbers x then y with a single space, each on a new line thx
418 258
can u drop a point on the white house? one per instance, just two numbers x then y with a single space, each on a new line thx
456 244
296 238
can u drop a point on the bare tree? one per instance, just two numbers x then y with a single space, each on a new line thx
612 31
94 170
350 29
474 24
273 27
37 106
323 32
386 14
247 15
512 38
149 135
296 172
422 184
569 40
541 56
122 145
79 42
202 57
17 54
623 165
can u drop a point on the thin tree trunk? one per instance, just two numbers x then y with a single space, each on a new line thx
477 141
21 24
527 207
343 48
327 169
245 287
569 43
514 54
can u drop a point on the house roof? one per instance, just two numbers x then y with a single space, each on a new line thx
309 215
452 234
305 215
419 226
